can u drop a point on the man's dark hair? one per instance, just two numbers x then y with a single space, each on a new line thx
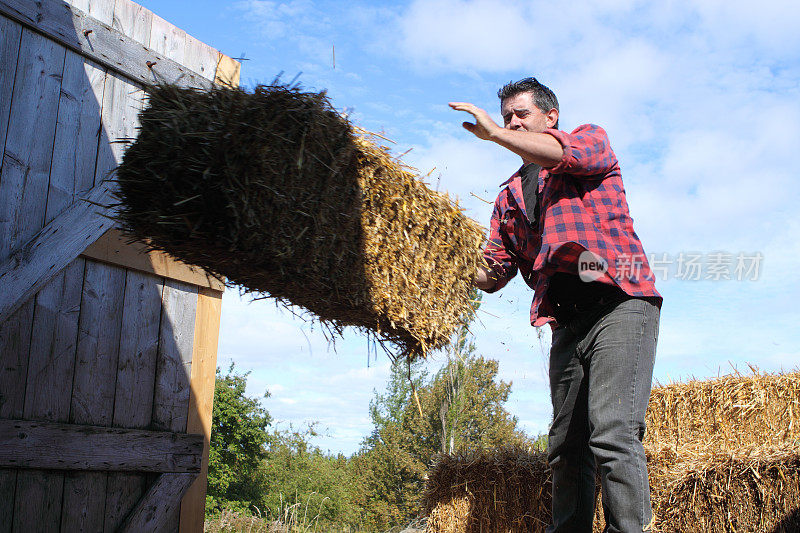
543 97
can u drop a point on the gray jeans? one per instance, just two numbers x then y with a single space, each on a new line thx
601 367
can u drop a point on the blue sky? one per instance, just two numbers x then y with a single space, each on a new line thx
701 101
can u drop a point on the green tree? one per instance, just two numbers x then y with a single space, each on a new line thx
462 406
239 437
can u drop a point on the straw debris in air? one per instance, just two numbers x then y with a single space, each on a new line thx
277 192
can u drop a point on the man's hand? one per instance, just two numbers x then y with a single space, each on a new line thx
486 279
484 127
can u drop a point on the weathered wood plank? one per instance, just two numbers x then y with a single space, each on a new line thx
201 58
77 133
29 143
77 31
93 387
52 353
228 71
10 34
138 352
36 514
28 130
102 10
8 484
114 249
133 404
167 39
56 446
83 501
174 366
158 504
204 365
27 270
50 369
133 20
99 334
171 400
122 102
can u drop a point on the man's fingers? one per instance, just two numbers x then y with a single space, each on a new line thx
463 106
469 126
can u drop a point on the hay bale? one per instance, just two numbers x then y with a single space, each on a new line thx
488 492
275 191
693 490
727 412
736 466
754 489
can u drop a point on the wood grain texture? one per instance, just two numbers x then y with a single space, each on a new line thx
36 514
158 504
204 365
138 351
133 403
50 367
200 58
24 171
77 133
77 31
167 39
29 142
114 249
174 365
133 20
228 71
52 352
56 446
171 398
94 387
10 34
102 10
30 267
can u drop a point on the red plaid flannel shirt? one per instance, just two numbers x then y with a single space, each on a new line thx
583 207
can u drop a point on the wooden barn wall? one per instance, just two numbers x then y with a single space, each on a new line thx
99 344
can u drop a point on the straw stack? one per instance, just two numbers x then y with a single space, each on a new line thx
731 411
735 467
275 191
488 491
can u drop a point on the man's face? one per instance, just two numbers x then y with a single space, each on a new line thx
520 113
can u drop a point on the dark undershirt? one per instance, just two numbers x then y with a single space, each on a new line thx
529 175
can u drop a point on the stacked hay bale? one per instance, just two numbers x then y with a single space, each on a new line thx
723 455
277 192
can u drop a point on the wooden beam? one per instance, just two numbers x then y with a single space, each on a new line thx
55 446
91 38
113 248
228 71
201 401
154 510
29 269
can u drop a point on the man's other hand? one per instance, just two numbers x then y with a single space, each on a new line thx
484 127
485 280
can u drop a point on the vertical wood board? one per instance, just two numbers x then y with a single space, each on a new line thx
204 366
176 338
94 387
77 133
10 35
133 399
29 142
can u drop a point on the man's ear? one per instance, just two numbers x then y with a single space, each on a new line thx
551 118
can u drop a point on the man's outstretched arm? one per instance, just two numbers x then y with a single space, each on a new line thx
539 148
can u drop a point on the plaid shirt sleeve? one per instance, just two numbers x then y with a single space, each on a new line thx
498 253
587 152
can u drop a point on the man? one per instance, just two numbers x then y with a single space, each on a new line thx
563 221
